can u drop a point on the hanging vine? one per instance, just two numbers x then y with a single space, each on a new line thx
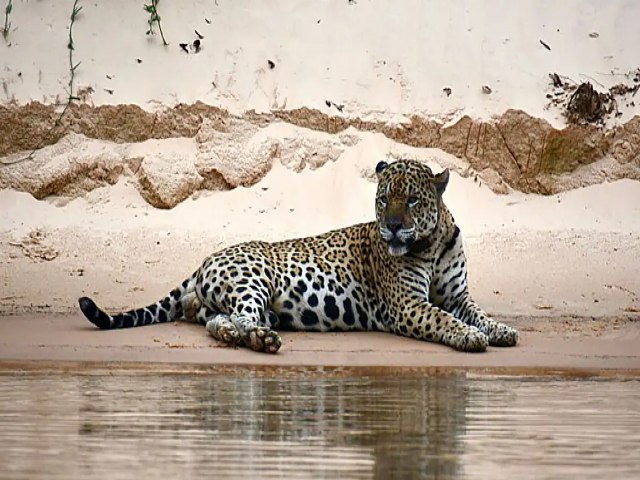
154 19
7 23
70 86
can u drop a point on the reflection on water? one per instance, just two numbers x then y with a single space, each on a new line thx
144 426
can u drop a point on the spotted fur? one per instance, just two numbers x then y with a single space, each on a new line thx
405 273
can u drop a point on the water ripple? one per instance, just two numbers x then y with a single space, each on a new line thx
122 427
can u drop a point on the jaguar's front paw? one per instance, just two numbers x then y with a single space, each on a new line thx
470 340
503 336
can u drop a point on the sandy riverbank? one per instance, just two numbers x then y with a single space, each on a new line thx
562 269
574 346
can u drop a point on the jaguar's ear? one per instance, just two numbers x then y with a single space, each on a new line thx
441 180
380 167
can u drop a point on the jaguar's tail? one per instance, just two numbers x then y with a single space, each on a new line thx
169 309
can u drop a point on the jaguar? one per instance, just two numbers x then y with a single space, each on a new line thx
405 273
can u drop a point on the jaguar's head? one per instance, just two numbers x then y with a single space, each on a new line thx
407 203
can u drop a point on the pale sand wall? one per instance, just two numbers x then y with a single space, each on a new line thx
382 60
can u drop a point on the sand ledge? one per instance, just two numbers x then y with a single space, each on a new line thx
513 150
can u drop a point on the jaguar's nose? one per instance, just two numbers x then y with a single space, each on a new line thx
394 226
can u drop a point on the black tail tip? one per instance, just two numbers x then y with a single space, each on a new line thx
93 313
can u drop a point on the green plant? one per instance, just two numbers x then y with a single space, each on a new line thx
154 19
7 23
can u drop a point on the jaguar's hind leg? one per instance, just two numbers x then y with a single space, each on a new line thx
216 323
257 336
247 303
192 308
224 329
221 328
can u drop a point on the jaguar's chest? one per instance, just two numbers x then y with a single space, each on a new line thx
408 277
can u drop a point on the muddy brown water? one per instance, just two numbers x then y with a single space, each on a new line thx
185 426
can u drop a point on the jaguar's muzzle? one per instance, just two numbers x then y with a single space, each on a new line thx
399 240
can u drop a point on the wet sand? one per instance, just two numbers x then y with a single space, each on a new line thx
579 346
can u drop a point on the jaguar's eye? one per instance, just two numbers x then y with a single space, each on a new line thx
384 201
412 201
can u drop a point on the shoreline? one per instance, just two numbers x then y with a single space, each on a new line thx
575 347
88 368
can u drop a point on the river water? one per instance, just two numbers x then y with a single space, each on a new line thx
133 426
